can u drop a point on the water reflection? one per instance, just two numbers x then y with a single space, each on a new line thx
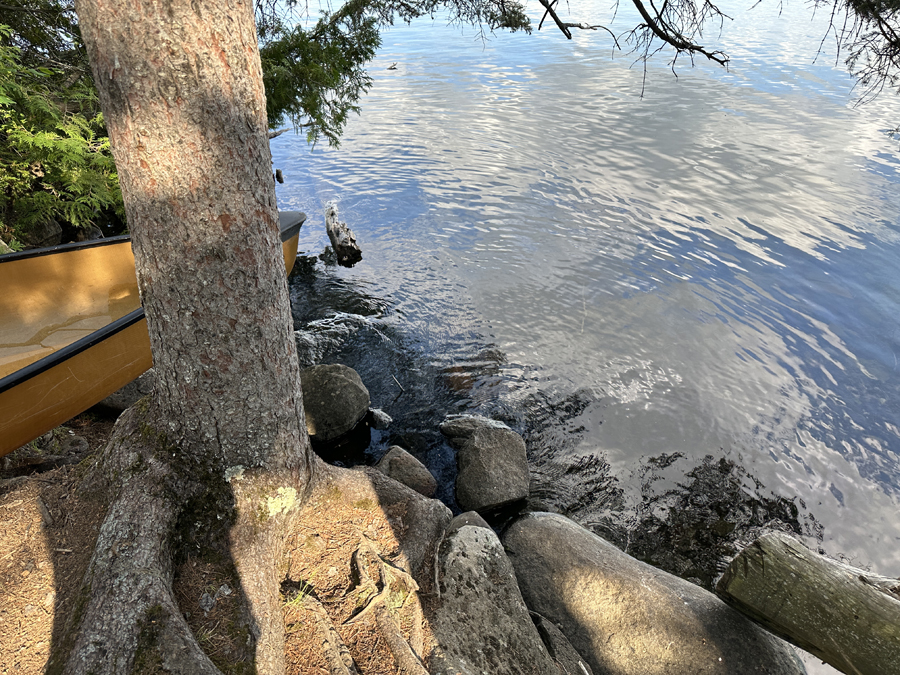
707 271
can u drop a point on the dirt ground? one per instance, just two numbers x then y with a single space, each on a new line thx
48 533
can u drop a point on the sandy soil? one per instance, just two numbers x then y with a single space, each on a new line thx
47 537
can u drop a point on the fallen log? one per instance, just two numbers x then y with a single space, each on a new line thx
846 616
342 240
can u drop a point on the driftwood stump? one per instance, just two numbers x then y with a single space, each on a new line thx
342 240
844 615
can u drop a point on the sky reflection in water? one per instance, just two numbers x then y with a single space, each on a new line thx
712 266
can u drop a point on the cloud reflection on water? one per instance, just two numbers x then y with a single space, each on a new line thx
714 262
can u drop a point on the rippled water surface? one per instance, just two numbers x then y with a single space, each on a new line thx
636 284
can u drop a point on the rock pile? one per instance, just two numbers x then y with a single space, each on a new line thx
549 597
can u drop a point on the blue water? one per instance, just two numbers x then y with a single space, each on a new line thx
708 270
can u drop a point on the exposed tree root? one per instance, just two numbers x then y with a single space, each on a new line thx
339 660
126 617
396 587
256 548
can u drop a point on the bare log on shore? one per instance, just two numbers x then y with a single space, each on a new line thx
844 615
342 240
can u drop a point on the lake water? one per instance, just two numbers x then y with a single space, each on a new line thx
686 298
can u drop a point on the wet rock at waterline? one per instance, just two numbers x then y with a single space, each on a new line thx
481 624
404 468
627 618
378 419
335 401
459 429
493 467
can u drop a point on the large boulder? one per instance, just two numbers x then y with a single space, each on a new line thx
47 233
492 463
335 401
404 468
481 624
627 618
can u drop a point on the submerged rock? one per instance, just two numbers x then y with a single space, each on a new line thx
481 624
627 618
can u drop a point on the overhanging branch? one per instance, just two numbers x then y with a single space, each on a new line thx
661 29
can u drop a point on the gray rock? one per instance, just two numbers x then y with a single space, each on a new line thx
131 393
406 469
561 650
4 248
627 618
335 401
481 624
89 233
73 444
493 470
379 419
48 233
459 428
463 519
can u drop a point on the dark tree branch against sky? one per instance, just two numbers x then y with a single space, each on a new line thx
315 70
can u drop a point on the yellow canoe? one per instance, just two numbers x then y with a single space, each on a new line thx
72 330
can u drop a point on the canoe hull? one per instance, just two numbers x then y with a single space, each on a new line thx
64 347
56 395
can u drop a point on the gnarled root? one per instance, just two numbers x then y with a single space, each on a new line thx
340 662
126 617
396 588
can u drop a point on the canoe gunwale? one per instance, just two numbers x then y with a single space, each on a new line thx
289 221
70 350
63 248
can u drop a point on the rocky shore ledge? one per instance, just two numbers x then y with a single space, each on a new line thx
498 590
521 593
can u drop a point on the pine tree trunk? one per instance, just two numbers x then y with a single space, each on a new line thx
181 90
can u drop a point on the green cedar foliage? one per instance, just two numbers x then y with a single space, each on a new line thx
55 159
315 74
315 77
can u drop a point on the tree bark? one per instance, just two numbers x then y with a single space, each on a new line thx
844 615
181 90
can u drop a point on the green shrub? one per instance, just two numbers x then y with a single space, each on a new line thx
55 160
